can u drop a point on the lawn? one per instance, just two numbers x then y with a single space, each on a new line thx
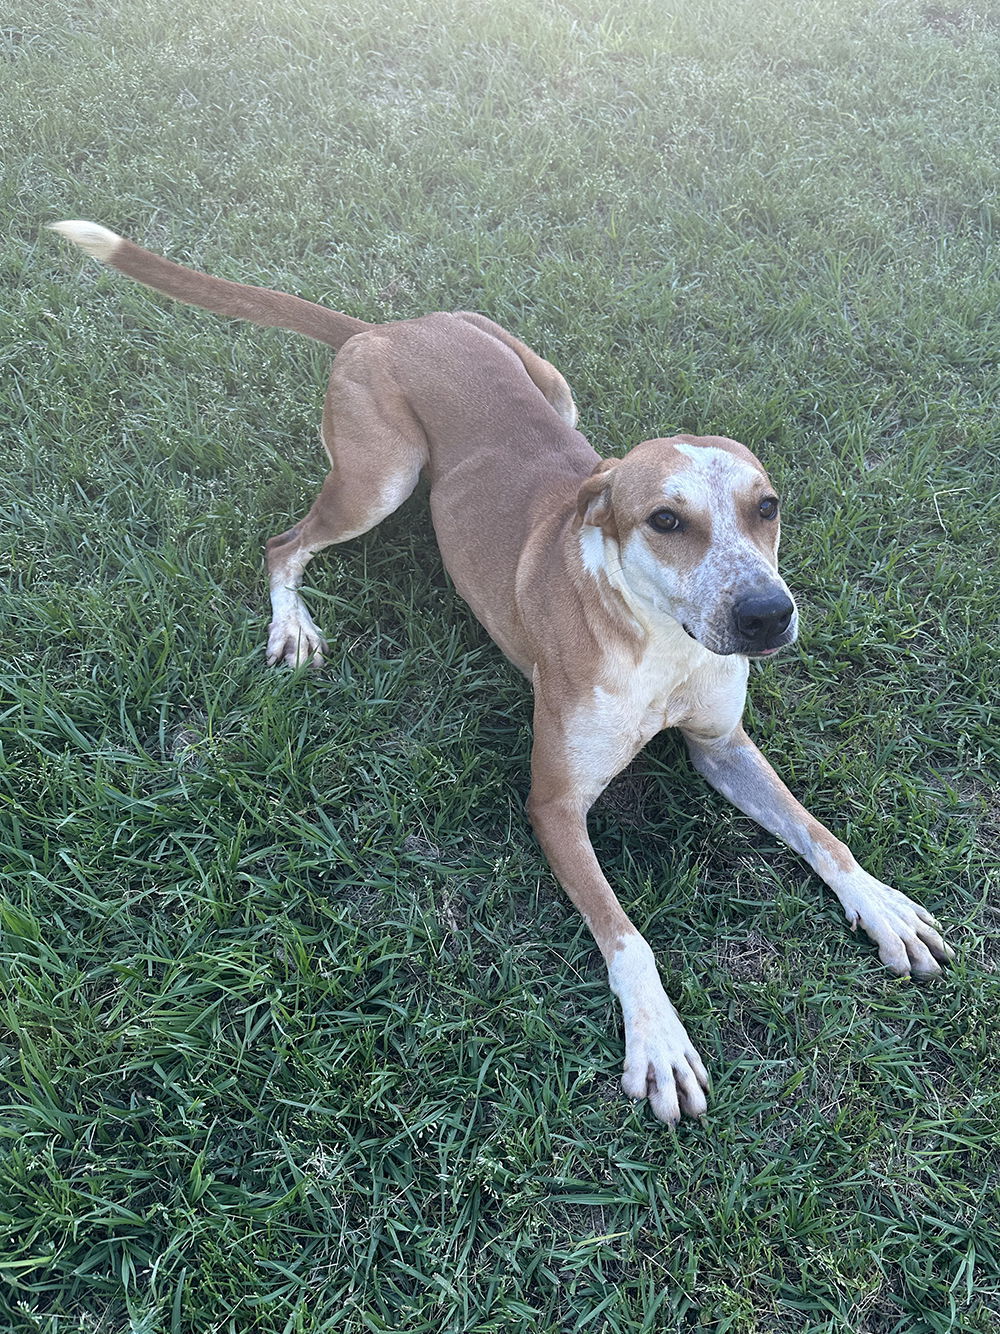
300 1033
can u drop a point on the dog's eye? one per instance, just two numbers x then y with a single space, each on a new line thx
768 508
664 521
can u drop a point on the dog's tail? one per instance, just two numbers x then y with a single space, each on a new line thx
260 305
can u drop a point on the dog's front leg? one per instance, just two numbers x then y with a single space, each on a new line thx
905 933
661 1063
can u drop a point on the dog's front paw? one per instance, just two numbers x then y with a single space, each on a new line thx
906 935
661 1063
296 640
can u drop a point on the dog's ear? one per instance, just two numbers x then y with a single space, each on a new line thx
593 502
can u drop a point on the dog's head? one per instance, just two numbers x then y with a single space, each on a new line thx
689 527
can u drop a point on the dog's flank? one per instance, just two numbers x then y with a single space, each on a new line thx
631 592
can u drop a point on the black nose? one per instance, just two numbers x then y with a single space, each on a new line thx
759 619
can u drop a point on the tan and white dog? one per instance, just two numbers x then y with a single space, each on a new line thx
631 592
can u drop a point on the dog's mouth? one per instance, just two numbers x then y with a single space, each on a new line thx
766 652
743 650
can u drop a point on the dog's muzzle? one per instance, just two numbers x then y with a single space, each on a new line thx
762 622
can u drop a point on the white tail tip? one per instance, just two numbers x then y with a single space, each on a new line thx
90 236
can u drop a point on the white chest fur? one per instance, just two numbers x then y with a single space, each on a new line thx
675 683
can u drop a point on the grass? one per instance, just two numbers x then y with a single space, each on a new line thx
301 1034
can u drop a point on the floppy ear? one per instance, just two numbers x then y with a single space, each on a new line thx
593 502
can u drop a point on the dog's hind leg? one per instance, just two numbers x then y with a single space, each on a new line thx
377 450
542 372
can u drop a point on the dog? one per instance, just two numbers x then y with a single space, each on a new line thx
631 592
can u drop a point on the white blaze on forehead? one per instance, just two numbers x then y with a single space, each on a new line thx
715 472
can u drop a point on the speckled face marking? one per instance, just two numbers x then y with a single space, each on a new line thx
695 521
